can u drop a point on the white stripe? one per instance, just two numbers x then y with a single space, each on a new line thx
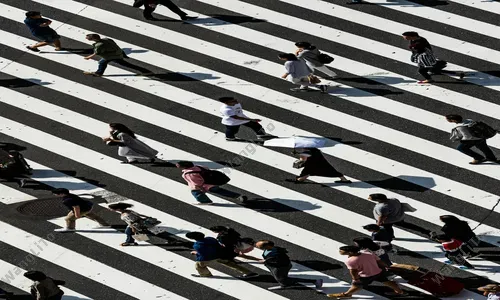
82 265
244 216
13 275
491 6
10 196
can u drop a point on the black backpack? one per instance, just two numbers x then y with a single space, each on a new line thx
482 130
325 58
212 177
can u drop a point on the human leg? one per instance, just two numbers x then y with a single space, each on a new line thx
389 229
94 217
202 268
425 73
465 148
174 8
483 147
57 44
256 127
200 196
101 66
233 265
231 131
129 232
148 12
70 220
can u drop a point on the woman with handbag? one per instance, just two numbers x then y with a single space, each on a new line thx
136 223
128 144
297 72
315 164
44 288
315 60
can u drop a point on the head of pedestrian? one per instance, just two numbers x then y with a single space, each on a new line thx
366 243
287 56
61 192
195 235
452 118
372 227
448 219
35 275
303 45
228 100
218 229
33 15
119 127
120 207
93 37
184 164
349 250
410 35
264 245
489 288
377 197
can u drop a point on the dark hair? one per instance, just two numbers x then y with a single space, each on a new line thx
378 197
33 13
219 229
442 237
305 45
195 235
225 99
448 219
453 117
288 56
366 243
185 164
410 33
371 227
122 128
267 243
351 249
35 275
120 206
93 36
60 191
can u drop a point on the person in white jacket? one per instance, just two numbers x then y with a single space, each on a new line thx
310 54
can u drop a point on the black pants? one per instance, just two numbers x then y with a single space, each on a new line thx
410 226
148 10
465 148
281 276
231 131
458 258
424 71
103 64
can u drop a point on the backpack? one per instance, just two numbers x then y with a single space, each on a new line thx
482 130
325 58
212 177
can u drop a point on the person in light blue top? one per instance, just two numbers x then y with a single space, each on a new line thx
40 29
297 72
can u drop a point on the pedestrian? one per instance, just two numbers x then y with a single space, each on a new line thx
389 212
457 229
129 145
78 208
367 245
135 222
11 169
277 261
233 117
423 55
44 288
312 57
193 175
109 51
315 164
297 72
364 269
150 6
380 236
40 28
492 291
463 133
232 243
453 252
208 252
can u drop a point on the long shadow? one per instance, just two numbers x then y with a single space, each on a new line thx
395 183
72 50
340 140
216 19
11 147
181 77
263 204
430 3
366 80
21 83
130 51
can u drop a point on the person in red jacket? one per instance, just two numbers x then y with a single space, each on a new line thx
454 253
150 6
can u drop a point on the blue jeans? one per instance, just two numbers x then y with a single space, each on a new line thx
203 198
103 64
129 233
465 148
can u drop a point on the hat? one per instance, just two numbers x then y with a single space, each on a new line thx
490 288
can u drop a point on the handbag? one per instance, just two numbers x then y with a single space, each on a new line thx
141 237
313 79
408 208
299 164
325 58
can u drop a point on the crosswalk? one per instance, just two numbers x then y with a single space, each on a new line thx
386 133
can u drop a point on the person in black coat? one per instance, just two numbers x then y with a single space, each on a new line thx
150 6
460 230
315 164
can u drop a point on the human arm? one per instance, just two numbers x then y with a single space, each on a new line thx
354 274
46 23
381 219
90 56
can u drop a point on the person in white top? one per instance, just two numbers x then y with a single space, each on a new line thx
233 117
311 55
297 72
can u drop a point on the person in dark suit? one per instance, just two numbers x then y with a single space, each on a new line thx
150 6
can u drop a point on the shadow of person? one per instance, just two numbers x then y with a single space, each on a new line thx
218 19
21 83
130 50
278 205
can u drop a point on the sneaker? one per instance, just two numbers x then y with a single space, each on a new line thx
462 75
92 74
203 203
323 88
425 81
318 284
477 161
249 275
231 139
21 182
242 199
64 230
33 49
202 276
129 244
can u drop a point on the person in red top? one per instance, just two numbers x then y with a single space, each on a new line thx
199 188
453 251
364 268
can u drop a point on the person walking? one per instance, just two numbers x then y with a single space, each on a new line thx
367 245
463 134
129 146
453 252
315 164
208 251
364 269
109 51
297 72
44 288
232 243
380 236
390 212
423 55
277 261
150 6
12 169
460 230
233 117
193 175
78 208
492 291
312 57
40 28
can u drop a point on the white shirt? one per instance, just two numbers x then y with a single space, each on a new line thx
229 111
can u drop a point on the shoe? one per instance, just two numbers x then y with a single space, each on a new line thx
425 81
477 162
264 136
231 139
461 75
21 183
323 88
318 284
202 276
92 73
300 89
64 230
203 203
186 18
242 199
339 296
249 275
33 49
129 244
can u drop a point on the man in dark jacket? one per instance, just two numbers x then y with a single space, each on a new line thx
279 264
109 51
150 6
207 251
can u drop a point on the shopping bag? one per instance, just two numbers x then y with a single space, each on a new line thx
141 237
